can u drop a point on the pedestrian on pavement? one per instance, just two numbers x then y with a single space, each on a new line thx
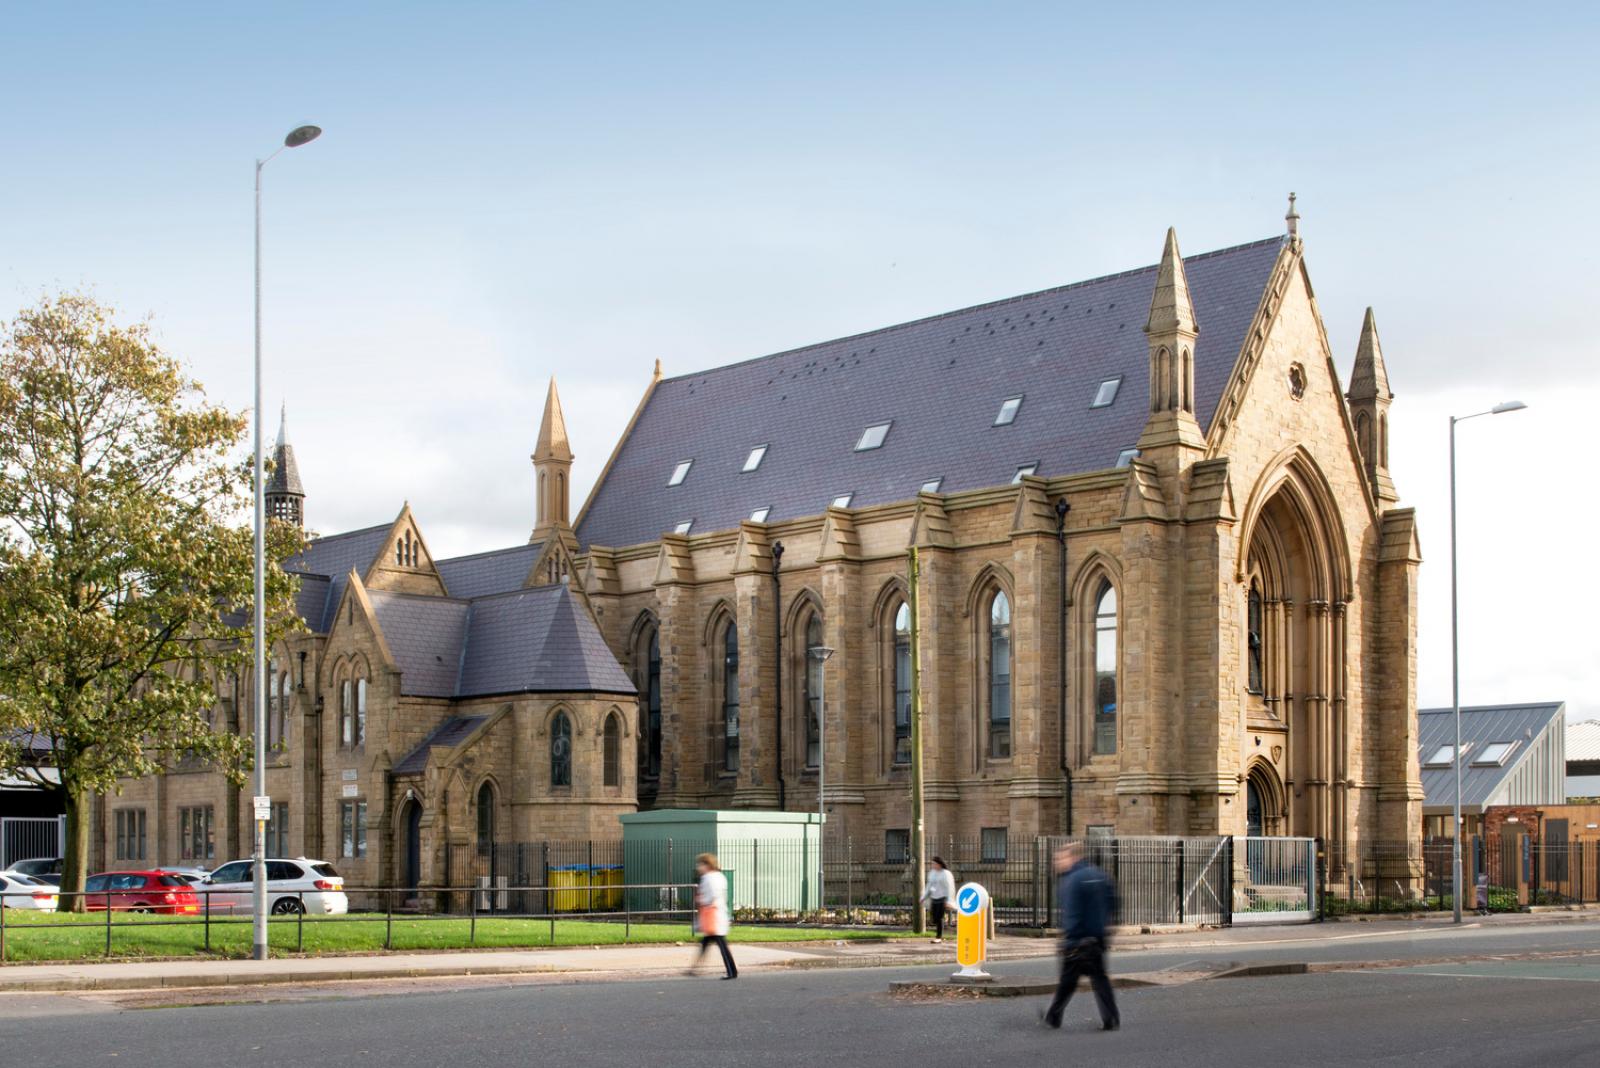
711 916
937 891
1087 901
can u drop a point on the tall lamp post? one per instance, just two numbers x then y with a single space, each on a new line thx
300 135
1455 655
820 654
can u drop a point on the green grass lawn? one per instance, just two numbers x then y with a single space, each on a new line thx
38 937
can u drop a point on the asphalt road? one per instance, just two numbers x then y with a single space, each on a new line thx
1543 1010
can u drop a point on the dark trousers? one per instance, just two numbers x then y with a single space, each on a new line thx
1085 956
722 944
938 905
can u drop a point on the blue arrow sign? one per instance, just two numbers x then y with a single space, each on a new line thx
968 900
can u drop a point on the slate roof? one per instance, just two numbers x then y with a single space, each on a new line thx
447 735
941 382
537 640
331 559
1480 726
481 574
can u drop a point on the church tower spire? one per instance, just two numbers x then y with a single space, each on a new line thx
285 496
1170 332
1369 399
552 468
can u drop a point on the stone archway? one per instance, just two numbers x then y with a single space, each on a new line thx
1263 802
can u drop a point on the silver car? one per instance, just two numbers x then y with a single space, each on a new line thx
298 885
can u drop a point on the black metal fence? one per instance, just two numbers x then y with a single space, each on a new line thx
1503 874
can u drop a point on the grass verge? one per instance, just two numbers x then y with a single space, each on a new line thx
42 937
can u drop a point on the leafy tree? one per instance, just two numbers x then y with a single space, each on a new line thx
125 558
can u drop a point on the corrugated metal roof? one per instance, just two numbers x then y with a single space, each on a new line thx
940 382
1583 740
1480 726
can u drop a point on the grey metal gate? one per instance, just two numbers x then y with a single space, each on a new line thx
25 838
1277 882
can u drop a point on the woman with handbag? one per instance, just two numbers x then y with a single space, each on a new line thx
711 916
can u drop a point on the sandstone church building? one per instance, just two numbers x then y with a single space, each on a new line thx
1164 589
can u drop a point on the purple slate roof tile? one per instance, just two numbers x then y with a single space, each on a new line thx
536 640
332 558
447 735
940 381
481 574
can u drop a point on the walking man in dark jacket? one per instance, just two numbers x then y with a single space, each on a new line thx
1087 901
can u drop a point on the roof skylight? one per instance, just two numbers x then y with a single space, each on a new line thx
760 514
842 501
1494 755
932 485
1008 411
680 473
872 437
683 527
1107 393
1442 757
1024 471
753 461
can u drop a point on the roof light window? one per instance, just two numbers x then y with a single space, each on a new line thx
1126 457
932 485
842 501
760 514
1008 411
680 473
1442 757
683 527
1107 393
1024 471
872 437
753 461
1494 755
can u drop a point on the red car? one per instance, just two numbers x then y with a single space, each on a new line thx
140 891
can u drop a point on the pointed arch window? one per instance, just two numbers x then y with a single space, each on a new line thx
730 697
999 676
902 684
1254 648
611 751
361 710
280 737
647 658
347 719
1105 670
812 703
561 750
485 819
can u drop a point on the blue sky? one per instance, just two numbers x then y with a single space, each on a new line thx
506 192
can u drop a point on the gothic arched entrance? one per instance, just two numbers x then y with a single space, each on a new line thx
412 822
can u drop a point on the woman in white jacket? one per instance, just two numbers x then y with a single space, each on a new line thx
712 918
937 892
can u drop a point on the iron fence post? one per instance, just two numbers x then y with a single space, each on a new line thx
671 880
3 932
544 881
108 923
300 925
549 910
1180 880
627 917
472 928
755 885
207 894
850 877
1227 898
388 919
1317 879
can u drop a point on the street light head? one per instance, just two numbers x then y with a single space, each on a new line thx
302 135
1507 406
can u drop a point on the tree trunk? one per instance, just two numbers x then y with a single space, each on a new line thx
75 860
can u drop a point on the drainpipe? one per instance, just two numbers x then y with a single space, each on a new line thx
1062 508
777 629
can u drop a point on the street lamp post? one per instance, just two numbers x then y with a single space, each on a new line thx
821 653
1455 656
300 135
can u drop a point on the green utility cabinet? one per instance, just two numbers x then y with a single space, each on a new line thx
770 858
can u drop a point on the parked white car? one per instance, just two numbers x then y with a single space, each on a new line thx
298 885
18 891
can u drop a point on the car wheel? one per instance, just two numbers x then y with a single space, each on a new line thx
287 906
140 908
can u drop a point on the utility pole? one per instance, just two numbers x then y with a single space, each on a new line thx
919 843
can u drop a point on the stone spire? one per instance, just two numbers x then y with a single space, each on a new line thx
285 496
552 469
1171 331
1369 399
1291 219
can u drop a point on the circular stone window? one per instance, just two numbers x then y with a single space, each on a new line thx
1297 381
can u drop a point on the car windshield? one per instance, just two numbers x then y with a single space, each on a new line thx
325 870
172 880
